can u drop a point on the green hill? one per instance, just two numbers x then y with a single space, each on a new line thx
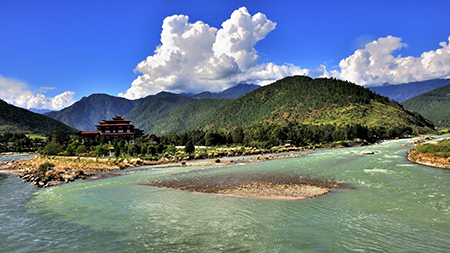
148 115
433 105
314 101
18 120
189 116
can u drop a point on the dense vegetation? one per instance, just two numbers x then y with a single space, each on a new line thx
433 105
18 120
188 117
147 116
266 135
18 142
314 101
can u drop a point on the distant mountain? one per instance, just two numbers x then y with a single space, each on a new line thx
314 101
230 93
40 111
433 105
402 92
87 112
19 120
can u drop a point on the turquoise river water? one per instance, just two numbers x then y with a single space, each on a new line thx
395 206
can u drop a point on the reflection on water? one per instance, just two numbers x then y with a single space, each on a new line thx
396 206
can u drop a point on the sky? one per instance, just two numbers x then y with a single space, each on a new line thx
54 52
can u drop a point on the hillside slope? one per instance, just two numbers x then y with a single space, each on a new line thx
433 105
19 120
146 116
189 116
314 101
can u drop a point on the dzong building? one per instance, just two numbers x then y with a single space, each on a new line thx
113 129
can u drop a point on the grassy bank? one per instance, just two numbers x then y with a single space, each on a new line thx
432 154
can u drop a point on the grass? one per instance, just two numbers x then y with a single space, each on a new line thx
36 136
440 149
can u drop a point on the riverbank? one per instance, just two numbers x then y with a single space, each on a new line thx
436 158
430 161
433 155
59 170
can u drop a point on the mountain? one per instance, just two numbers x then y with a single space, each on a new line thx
402 92
87 112
188 117
147 116
230 93
19 120
433 105
314 101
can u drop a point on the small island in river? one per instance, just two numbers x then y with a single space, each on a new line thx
256 186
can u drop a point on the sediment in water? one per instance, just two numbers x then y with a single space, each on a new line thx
258 186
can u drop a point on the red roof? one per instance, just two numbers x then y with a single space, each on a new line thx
116 121
123 124
130 133
89 132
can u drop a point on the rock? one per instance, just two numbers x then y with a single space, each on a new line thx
217 160
368 152
404 145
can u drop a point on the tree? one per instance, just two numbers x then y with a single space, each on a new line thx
189 148
60 135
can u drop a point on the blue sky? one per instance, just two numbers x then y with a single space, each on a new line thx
55 52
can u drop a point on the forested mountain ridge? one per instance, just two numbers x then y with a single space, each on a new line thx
147 116
313 101
188 117
18 120
433 105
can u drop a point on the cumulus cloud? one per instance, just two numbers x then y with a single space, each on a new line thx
376 64
195 57
17 93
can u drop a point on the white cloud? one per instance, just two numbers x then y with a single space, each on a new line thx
17 93
195 57
376 64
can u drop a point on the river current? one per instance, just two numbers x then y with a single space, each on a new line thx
395 206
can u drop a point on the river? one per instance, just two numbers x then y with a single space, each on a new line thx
395 206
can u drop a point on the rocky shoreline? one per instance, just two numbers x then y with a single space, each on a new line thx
435 162
426 160
62 170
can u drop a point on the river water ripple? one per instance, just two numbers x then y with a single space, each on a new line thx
396 206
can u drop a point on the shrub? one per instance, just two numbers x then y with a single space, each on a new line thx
44 167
